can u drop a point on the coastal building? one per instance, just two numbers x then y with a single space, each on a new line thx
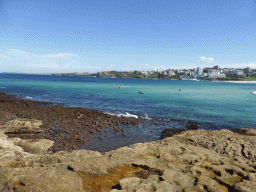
159 70
204 75
164 73
238 72
216 67
145 72
216 74
179 71
170 73
198 71
247 69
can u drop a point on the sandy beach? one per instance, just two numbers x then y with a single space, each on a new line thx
240 81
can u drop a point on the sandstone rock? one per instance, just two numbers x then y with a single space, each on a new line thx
174 163
37 146
178 178
23 126
252 177
43 179
222 141
164 187
146 185
153 178
141 190
2 135
7 144
211 185
132 181
245 186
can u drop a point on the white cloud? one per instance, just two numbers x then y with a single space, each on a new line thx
251 65
206 60
238 65
19 58
48 66
153 67
3 56
58 55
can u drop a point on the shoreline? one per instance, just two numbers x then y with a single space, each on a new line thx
183 160
76 128
241 81
193 160
69 127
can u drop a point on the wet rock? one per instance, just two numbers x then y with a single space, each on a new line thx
170 132
245 131
193 126
73 121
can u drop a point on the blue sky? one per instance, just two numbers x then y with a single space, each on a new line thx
44 36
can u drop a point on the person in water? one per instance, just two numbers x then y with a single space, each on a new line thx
179 89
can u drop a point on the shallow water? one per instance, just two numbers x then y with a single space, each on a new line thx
215 105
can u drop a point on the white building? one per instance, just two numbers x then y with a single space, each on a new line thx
164 73
178 71
216 74
170 73
248 69
145 72
159 70
238 72
198 71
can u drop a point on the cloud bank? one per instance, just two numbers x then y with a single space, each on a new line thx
206 60
19 60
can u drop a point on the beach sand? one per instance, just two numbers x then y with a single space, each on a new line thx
240 81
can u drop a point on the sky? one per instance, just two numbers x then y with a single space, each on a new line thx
58 36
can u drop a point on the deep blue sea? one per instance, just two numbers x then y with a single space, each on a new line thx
215 105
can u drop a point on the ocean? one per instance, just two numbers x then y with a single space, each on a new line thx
214 105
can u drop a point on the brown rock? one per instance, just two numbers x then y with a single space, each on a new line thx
36 146
193 126
43 179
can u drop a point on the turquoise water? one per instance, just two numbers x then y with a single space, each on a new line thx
215 105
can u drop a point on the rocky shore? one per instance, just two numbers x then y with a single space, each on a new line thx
69 127
34 158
